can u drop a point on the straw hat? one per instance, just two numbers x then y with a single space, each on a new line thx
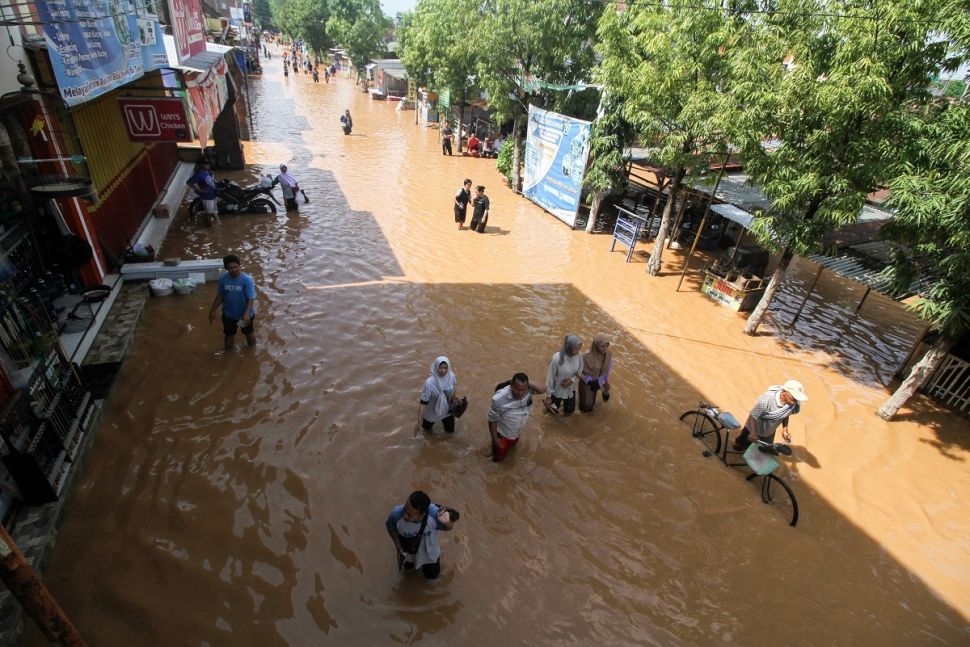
796 389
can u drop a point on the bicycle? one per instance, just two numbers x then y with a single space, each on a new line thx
712 427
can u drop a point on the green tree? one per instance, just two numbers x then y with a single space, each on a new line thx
844 113
931 200
610 135
263 15
358 25
667 61
523 41
306 20
434 53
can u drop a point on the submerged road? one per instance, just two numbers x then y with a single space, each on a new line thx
240 498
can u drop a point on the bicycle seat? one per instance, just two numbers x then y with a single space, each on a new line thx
728 420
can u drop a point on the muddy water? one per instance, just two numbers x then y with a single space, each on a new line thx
240 498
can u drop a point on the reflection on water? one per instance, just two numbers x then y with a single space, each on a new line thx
240 498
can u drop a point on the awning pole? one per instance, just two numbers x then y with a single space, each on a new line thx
818 275
700 229
864 297
693 246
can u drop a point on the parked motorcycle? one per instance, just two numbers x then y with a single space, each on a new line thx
235 199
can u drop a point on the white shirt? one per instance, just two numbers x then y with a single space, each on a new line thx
510 414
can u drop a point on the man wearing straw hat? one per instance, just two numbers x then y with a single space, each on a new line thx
772 409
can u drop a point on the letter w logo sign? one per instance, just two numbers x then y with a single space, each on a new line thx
142 121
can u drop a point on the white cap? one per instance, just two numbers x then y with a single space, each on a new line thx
796 389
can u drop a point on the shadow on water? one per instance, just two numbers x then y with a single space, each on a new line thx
248 500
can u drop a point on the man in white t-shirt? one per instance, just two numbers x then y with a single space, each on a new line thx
508 413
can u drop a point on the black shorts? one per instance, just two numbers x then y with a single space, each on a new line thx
460 213
229 326
565 405
448 423
431 571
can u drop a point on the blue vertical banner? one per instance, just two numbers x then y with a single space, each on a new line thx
556 150
96 46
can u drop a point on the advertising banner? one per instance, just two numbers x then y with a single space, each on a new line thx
556 150
155 119
97 46
207 96
188 28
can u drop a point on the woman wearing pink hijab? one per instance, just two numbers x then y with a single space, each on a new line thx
596 373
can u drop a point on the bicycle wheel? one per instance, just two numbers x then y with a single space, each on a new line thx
777 493
703 428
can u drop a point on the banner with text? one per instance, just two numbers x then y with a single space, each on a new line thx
556 150
96 46
155 119
188 28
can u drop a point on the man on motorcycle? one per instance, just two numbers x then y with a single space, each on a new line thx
204 185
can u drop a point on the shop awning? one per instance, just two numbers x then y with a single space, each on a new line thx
202 62
734 214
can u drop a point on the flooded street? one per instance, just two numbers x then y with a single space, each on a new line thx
241 498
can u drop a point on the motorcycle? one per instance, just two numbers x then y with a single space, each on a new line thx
233 198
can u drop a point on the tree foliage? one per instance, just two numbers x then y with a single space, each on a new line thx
843 113
305 20
668 62
433 50
263 15
358 26
547 40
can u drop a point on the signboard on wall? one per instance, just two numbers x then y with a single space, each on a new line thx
96 47
207 96
188 28
556 150
155 119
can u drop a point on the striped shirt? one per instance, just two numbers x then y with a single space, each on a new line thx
769 412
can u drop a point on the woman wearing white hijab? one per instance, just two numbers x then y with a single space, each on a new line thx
565 371
436 397
290 188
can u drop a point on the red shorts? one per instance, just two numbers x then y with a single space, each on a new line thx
501 449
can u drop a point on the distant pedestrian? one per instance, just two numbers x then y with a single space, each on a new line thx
508 413
347 122
237 297
413 528
447 134
437 398
597 364
204 184
480 206
326 75
286 71
316 76
461 203
565 370
290 188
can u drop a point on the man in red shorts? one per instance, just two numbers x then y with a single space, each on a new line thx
509 412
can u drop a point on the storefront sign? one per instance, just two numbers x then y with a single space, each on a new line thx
556 150
188 28
93 50
155 120
247 13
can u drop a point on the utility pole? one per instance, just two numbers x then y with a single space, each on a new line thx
29 589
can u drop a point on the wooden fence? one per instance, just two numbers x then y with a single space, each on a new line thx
950 384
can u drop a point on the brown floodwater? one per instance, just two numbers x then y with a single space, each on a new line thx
240 498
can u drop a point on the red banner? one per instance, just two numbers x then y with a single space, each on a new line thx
155 120
188 27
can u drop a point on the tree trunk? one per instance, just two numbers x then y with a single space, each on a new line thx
461 123
922 370
776 278
653 267
593 210
516 155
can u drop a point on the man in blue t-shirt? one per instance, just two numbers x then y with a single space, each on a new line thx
237 296
204 184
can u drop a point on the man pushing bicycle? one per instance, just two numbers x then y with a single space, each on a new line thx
772 409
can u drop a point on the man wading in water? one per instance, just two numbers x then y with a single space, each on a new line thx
237 296
508 413
413 528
